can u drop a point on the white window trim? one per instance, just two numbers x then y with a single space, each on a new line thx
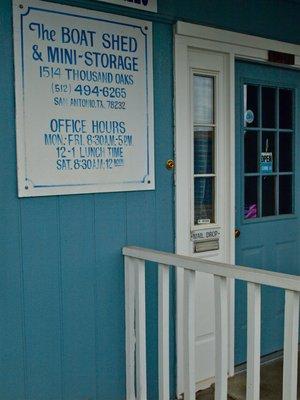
215 125
237 46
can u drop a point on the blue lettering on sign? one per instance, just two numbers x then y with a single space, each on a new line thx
42 32
110 61
118 42
68 125
61 55
76 36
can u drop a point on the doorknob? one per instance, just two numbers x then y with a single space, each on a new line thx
170 164
237 233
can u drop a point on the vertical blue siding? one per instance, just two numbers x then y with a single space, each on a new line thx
62 281
62 331
110 236
12 338
41 289
77 290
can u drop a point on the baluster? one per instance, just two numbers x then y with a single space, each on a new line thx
221 337
163 332
253 341
140 326
189 334
290 358
129 326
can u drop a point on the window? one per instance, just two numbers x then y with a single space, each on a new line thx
268 151
203 148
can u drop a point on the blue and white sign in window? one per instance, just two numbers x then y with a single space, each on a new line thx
84 100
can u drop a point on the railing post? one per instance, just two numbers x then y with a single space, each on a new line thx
290 358
189 334
163 332
140 327
129 326
253 341
136 382
221 335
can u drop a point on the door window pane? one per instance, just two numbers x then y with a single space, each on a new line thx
268 196
204 200
268 100
285 109
285 152
251 103
250 151
285 194
251 197
203 99
203 150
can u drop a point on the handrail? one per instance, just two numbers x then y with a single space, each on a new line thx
253 275
136 361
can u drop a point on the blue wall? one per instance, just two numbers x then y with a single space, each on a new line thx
278 19
61 278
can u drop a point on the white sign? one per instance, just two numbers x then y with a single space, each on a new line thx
84 100
205 234
147 5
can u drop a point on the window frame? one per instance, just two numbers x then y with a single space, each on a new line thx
277 131
215 127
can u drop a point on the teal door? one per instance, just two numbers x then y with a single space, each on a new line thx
267 190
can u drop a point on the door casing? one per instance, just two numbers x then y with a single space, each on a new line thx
233 46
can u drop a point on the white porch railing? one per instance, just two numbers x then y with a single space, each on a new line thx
136 363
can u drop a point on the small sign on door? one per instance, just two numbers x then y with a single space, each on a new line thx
266 163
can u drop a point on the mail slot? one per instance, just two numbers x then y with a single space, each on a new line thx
206 245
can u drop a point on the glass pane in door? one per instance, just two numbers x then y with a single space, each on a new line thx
203 150
203 200
203 99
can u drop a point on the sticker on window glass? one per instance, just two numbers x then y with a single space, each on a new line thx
249 116
266 163
251 211
203 221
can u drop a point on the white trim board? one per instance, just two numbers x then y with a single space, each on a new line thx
235 46
242 45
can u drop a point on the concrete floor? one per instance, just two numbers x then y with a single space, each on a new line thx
270 387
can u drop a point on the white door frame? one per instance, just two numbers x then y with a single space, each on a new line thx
234 45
